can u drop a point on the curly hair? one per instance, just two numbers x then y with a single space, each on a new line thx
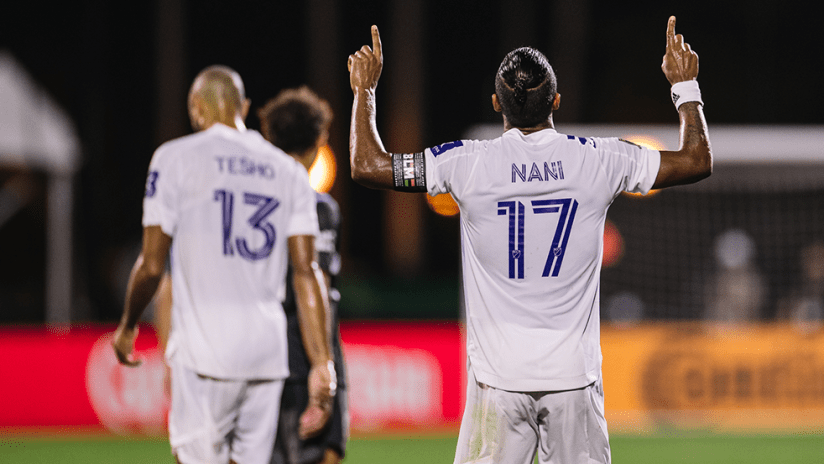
295 119
526 86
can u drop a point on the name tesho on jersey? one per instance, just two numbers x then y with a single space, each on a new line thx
229 200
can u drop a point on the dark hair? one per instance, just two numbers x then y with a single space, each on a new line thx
295 119
526 87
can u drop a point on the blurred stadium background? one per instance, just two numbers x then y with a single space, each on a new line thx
712 294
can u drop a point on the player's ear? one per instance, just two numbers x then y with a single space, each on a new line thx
197 113
496 105
244 109
556 102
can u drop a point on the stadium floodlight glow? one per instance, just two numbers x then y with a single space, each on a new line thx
613 245
646 141
443 204
323 170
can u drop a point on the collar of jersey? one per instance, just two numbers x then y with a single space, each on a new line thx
515 132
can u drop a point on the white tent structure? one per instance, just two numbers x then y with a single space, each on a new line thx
36 134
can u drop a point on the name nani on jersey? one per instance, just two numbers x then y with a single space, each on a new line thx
243 166
551 170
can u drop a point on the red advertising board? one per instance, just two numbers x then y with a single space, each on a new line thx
404 375
411 377
407 375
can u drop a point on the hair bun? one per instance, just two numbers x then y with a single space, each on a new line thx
520 89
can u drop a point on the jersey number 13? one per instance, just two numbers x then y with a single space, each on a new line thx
266 205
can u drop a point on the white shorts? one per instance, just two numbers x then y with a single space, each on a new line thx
214 420
564 427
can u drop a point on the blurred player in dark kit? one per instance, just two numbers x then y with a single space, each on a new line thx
297 121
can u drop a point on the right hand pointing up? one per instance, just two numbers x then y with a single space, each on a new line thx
680 62
365 65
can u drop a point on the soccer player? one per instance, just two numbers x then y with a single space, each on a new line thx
533 204
297 121
231 207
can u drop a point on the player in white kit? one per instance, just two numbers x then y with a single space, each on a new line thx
533 204
230 208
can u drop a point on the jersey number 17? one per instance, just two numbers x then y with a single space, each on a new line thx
516 212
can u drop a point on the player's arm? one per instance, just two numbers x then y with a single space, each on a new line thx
163 310
163 323
693 160
371 164
143 282
311 296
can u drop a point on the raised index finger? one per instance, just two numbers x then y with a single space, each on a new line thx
376 42
671 31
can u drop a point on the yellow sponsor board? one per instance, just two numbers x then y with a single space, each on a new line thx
724 378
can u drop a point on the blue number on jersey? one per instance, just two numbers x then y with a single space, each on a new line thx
516 236
567 207
266 205
583 140
151 181
562 230
440 149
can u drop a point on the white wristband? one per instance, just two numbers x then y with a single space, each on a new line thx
686 91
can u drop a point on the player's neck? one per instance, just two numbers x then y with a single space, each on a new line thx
529 130
236 124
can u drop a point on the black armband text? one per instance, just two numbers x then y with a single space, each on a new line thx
409 172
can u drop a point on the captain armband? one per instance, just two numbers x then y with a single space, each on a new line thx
686 91
409 172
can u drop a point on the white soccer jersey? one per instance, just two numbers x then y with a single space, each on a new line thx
229 200
532 222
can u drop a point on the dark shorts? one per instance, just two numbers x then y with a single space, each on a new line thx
289 448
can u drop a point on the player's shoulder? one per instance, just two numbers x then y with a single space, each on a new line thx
328 208
256 140
172 152
179 144
457 148
603 144
253 142
584 141
326 200
193 143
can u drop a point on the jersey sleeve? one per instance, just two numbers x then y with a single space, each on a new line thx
630 167
445 163
160 197
304 219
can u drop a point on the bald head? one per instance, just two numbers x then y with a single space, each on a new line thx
217 95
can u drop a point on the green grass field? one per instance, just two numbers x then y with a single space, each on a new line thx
705 449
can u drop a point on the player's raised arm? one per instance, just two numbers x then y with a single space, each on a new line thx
371 164
693 161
